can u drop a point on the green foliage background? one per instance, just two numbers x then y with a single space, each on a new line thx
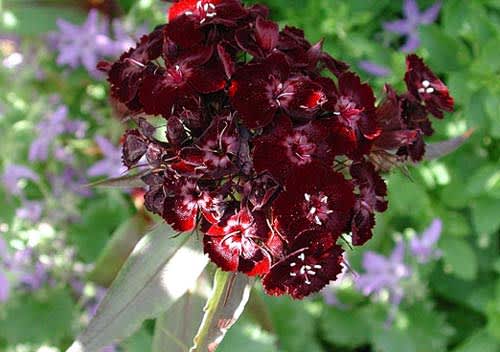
456 304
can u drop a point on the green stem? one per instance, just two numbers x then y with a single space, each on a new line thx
221 280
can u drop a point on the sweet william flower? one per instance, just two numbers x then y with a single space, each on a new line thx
265 156
425 86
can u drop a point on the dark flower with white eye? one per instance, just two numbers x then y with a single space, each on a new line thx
315 197
258 91
313 262
238 244
425 86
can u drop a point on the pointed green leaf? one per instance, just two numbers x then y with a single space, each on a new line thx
175 329
127 181
118 249
440 149
159 271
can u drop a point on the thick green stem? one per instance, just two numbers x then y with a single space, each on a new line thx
225 305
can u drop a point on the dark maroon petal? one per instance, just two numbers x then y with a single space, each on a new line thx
314 197
362 224
427 87
221 253
185 32
134 147
245 39
315 260
371 185
227 61
154 199
208 79
301 97
335 66
372 191
266 34
176 133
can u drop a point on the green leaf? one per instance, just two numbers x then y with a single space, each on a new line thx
118 249
176 328
290 316
473 294
247 337
406 194
485 215
99 220
46 17
225 305
46 316
158 272
139 342
479 342
459 258
439 149
485 181
344 327
127 181
446 53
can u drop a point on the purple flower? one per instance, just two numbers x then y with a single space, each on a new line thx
111 165
123 41
26 270
50 128
13 174
4 287
384 274
35 278
70 180
374 69
85 44
423 248
30 210
413 19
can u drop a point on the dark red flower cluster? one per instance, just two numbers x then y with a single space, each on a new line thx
267 155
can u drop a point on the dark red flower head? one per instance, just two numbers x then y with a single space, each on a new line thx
258 150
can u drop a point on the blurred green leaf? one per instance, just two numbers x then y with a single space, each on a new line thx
46 316
45 15
459 258
344 327
247 337
485 215
291 317
446 52
98 221
480 342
